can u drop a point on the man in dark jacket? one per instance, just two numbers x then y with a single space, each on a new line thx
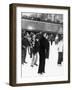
42 53
25 44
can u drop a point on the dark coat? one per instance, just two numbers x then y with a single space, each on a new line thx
44 45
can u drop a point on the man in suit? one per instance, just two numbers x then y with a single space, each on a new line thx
42 53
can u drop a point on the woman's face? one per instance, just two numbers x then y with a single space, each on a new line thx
46 36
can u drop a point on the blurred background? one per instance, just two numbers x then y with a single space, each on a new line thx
42 22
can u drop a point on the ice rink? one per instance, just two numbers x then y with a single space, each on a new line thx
52 69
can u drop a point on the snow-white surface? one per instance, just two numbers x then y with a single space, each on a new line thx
53 71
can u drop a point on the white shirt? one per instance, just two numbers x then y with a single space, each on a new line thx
60 46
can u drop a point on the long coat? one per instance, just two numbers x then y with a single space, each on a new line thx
42 53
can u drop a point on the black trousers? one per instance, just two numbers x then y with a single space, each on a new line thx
41 68
60 57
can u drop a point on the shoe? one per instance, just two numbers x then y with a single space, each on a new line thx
43 72
40 73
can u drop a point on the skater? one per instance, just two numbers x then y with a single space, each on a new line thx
60 51
42 54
